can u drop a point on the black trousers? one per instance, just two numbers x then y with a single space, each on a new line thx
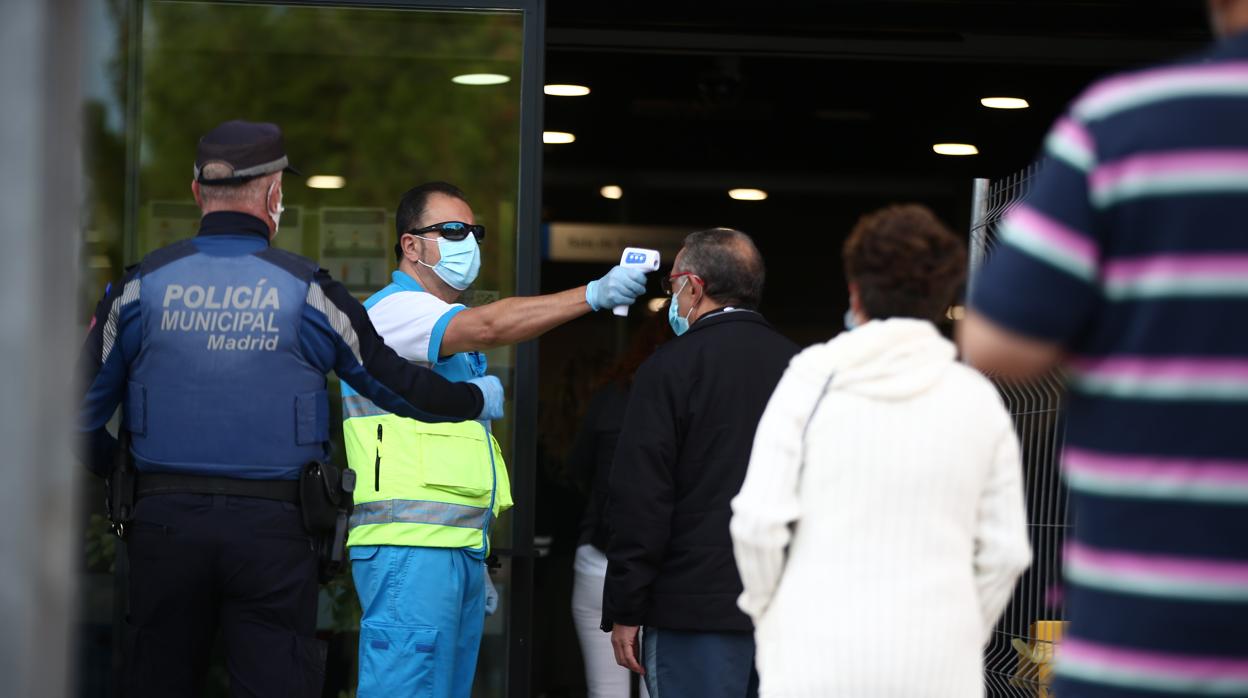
245 566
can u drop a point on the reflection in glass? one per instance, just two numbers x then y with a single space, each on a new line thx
364 96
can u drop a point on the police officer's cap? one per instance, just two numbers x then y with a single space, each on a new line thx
250 149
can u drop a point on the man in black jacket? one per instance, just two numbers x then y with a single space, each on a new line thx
681 458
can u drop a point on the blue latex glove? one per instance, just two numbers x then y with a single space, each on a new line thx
492 390
491 594
620 286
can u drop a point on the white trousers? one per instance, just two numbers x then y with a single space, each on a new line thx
603 676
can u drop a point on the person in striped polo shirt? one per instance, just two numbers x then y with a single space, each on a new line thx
1129 264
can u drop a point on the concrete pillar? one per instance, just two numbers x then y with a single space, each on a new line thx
40 206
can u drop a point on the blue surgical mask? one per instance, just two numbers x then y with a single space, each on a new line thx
460 263
275 215
851 320
680 325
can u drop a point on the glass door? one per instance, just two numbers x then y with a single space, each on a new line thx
373 98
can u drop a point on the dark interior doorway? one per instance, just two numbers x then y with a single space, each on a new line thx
831 108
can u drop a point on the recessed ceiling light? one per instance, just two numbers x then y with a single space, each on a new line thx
955 149
567 90
326 182
480 79
1004 102
747 194
611 191
557 137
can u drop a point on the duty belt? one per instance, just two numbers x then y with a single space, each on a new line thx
165 483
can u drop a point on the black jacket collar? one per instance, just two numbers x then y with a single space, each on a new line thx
727 314
232 223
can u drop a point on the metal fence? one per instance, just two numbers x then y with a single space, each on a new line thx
1018 660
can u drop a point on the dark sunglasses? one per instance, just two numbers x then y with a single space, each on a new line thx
667 282
453 230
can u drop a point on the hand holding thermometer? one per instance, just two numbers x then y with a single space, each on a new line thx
637 258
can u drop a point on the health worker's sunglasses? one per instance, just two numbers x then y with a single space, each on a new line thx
453 230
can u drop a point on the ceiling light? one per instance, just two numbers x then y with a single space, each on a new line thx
567 90
611 191
480 79
557 137
654 305
747 194
955 149
1004 102
326 182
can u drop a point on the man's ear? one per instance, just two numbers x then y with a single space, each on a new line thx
199 199
410 245
274 198
697 289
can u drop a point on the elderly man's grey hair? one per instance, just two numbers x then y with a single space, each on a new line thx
251 190
729 263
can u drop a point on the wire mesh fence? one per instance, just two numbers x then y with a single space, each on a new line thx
1018 659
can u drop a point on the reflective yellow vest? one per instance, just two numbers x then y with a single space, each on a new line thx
421 484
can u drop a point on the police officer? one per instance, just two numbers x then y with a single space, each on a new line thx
216 349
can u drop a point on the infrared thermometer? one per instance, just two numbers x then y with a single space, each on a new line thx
637 258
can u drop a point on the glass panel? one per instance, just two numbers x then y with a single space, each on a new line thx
362 94
104 75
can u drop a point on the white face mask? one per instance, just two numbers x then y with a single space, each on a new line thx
275 215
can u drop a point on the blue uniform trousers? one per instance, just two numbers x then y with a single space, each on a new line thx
245 566
424 610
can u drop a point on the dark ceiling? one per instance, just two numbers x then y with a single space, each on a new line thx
832 107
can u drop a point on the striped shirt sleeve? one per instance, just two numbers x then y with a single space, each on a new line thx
1041 281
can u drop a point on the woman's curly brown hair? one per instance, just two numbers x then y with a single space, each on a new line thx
905 262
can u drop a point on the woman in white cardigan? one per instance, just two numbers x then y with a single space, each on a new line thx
881 528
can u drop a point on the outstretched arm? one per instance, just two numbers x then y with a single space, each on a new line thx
512 320
521 318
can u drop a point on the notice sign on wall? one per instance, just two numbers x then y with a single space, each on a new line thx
600 242
356 247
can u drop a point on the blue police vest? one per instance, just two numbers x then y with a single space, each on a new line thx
220 385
